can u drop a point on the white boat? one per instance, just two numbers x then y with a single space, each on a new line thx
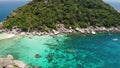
115 39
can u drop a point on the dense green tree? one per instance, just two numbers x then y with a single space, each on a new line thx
75 13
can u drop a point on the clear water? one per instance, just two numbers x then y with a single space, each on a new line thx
65 51
61 51
7 7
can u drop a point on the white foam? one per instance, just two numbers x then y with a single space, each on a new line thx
115 39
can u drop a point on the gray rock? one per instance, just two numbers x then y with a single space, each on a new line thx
9 62
10 57
10 66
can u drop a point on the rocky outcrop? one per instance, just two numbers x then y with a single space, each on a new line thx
9 62
12 14
61 29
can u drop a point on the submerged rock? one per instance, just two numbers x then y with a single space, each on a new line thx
36 67
37 56
10 57
49 57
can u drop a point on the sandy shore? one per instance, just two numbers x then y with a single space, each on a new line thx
6 36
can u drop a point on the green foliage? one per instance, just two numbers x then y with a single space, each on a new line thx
75 13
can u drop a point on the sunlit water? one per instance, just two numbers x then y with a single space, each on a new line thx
65 51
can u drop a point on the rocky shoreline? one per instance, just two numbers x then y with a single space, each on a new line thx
89 30
10 62
61 29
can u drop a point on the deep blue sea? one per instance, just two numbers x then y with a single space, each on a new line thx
7 7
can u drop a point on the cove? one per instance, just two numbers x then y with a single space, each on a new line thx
65 50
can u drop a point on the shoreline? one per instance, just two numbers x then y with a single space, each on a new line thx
88 30
60 30
6 36
10 62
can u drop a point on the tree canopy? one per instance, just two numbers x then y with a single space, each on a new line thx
45 14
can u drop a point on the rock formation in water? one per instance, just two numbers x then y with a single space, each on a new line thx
10 62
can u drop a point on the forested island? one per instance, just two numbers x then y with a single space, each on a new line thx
45 15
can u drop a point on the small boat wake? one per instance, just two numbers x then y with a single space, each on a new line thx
115 39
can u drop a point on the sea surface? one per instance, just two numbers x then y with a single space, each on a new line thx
65 50
7 7
116 5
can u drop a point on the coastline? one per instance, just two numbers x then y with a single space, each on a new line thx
40 46
6 36
10 62
61 30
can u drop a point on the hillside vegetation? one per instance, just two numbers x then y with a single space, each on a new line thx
44 15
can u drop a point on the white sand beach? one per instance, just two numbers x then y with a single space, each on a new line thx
6 36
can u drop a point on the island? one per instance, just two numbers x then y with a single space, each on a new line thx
51 17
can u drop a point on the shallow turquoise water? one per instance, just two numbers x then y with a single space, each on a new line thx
65 51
